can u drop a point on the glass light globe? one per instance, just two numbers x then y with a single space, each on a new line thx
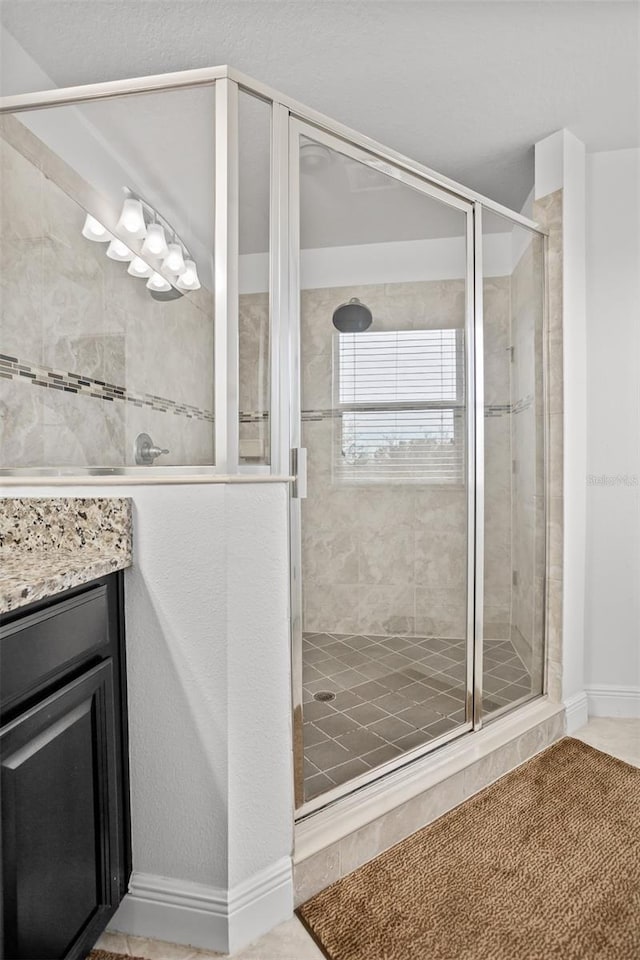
138 268
188 280
155 242
158 283
93 230
117 250
174 260
132 219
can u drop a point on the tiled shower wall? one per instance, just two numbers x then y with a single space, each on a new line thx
392 559
528 505
253 335
99 360
548 211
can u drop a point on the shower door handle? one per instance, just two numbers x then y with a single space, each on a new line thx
299 472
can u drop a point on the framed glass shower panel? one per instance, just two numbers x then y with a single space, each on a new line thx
382 574
515 501
107 330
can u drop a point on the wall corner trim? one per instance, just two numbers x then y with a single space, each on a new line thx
198 915
576 711
607 700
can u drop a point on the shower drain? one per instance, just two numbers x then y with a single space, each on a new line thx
324 696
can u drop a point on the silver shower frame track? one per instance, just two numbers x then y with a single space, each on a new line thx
288 119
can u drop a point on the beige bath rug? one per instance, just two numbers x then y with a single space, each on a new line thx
542 865
106 955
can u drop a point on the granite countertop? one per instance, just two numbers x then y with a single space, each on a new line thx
48 545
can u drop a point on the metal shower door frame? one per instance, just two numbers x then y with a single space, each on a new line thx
298 127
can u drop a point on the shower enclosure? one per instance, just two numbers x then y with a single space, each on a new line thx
410 425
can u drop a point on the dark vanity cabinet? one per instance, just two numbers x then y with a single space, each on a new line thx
65 834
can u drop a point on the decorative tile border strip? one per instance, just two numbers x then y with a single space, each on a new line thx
496 410
11 368
491 410
254 416
523 404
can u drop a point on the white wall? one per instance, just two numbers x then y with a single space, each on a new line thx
612 621
208 656
404 261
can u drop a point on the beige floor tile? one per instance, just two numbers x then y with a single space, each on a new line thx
160 950
289 941
114 942
619 737
149 949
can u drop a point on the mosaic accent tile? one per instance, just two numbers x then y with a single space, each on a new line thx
41 376
491 410
11 368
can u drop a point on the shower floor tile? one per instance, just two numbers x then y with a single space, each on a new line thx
391 694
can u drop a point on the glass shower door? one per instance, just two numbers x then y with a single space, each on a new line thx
382 557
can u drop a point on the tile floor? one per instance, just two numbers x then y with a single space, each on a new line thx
391 694
290 941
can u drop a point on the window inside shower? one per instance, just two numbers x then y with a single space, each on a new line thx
400 403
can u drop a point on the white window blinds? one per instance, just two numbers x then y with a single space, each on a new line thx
400 399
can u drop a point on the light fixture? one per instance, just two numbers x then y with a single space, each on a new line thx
145 246
155 242
158 284
138 268
132 219
188 280
174 260
93 230
117 250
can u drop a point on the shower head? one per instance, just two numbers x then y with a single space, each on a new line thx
352 317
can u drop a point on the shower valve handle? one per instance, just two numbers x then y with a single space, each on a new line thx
145 449
154 452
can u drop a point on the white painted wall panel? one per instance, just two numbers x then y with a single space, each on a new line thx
612 622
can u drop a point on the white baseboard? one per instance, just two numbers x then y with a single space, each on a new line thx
198 915
260 903
577 711
606 700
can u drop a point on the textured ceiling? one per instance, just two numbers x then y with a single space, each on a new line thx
466 88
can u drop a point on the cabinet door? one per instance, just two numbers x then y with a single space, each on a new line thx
60 820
